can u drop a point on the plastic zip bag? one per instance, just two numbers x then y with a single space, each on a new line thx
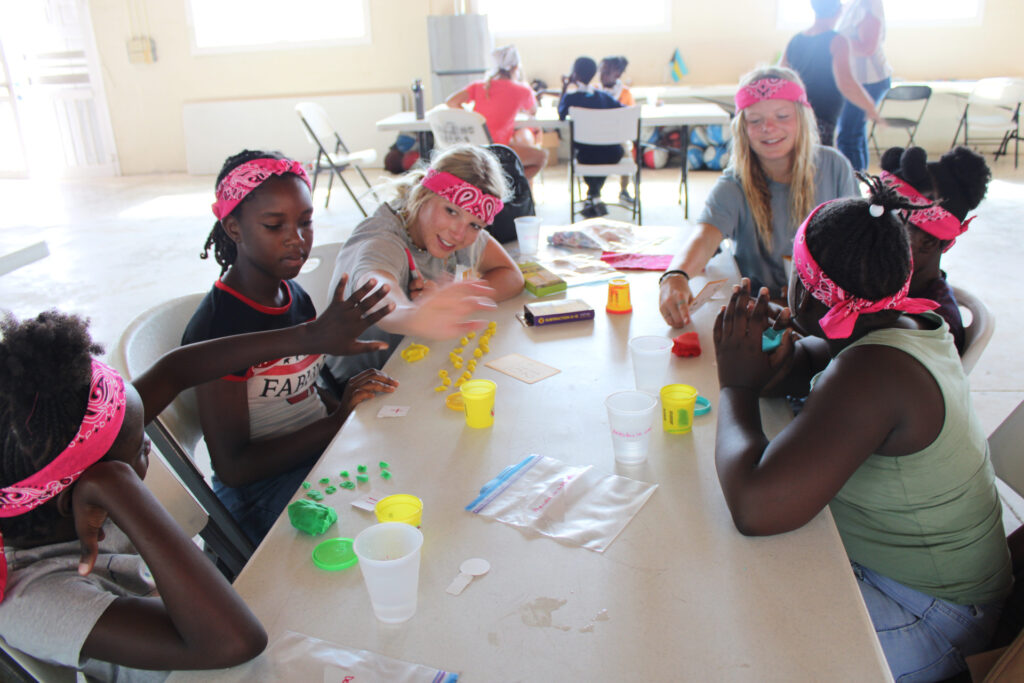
298 657
574 504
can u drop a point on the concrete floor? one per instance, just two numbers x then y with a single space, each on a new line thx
121 245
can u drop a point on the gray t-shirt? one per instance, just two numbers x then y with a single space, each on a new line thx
49 609
379 243
727 210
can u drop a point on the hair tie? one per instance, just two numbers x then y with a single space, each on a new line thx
876 210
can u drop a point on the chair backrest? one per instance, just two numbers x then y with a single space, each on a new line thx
908 93
1006 449
1004 92
176 499
454 126
151 335
30 669
604 126
319 129
315 276
978 331
176 431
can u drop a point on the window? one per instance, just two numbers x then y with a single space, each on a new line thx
797 14
234 25
525 17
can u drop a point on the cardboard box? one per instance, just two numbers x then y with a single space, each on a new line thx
539 280
552 312
550 141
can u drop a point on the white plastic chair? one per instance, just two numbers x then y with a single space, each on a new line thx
604 127
455 126
979 331
1006 450
315 276
176 431
332 154
993 110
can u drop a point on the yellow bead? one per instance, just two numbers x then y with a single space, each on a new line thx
459 349
446 381
459 382
477 353
464 341
442 373
471 334
439 389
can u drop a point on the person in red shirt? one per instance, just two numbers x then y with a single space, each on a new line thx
498 99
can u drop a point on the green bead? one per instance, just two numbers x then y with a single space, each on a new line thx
385 475
330 489
344 474
325 480
347 485
306 484
362 478
361 469
383 465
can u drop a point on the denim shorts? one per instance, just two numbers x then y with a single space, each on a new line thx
257 506
924 638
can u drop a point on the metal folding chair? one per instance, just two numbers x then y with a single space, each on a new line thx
332 154
993 108
903 94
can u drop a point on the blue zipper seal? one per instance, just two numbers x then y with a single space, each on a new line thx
495 486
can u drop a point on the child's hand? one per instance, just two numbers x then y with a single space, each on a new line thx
87 507
737 334
345 319
443 312
364 386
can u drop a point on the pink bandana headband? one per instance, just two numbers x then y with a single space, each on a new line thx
104 415
932 218
245 178
844 309
770 89
460 193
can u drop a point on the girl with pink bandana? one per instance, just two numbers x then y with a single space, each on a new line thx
431 233
887 439
777 174
96 575
265 424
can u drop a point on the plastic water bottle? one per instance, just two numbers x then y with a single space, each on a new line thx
417 97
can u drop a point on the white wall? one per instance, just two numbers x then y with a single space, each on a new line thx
719 41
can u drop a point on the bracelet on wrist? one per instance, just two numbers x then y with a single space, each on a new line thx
669 273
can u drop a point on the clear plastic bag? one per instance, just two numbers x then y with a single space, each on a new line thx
574 504
297 657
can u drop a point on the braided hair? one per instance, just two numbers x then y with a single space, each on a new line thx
868 256
224 250
45 369
958 180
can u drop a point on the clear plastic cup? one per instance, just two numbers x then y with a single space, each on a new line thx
651 356
389 558
631 418
528 234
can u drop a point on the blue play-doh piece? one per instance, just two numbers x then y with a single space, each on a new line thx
771 339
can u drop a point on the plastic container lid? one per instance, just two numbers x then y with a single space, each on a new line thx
701 406
455 402
334 554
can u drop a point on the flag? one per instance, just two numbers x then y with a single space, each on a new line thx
677 66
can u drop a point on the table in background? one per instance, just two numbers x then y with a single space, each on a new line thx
679 595
682 115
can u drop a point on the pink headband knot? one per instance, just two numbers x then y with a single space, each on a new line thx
104 415
464 195
245 178
932 218
844 308
772 88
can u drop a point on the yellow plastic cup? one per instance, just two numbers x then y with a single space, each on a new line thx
400 507
677 402
618 297
478 398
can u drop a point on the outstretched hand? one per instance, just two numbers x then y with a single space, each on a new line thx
346 319
737 334
445 312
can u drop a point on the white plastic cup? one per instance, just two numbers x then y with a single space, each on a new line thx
528 234
631 418
389 558
651 356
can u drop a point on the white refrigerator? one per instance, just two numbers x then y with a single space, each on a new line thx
460 52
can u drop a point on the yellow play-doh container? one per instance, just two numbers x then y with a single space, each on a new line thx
618 297
400 507
677 403
478 398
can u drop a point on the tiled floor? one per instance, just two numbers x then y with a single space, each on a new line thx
121 245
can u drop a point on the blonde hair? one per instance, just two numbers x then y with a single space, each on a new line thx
747 167
472 163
